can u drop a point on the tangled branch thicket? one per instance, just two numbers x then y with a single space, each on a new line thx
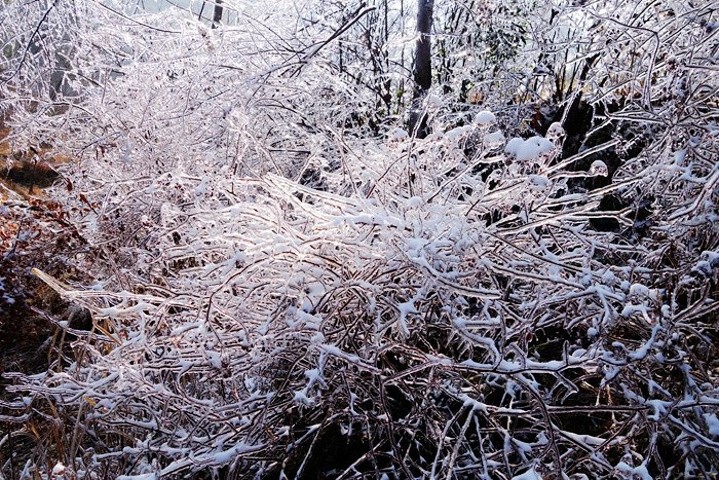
280 296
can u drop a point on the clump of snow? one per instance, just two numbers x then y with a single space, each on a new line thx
528 149
434 100
608 277
494 139
458 132
599 169
530 474
398 135
712 424
415 202
538 182
629 471
58 470
556 133
201 189
680 155
639 289
301 398
711 257
485 117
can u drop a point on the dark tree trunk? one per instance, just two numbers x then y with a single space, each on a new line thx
423 58
422 67
217 14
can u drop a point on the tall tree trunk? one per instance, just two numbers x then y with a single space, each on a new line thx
422 67
217 14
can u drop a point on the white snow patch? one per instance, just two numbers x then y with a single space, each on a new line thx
201 189
301 398
530 474
58 469
528 149
415 202
599 169
680 155
608 277
639 289
712 424
457 133
398 134
314 377
556 131
434 100
485 117
494 139
538 181
633 472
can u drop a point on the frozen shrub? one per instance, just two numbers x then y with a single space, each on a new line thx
277 297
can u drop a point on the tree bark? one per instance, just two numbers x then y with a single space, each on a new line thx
217 14
422 67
